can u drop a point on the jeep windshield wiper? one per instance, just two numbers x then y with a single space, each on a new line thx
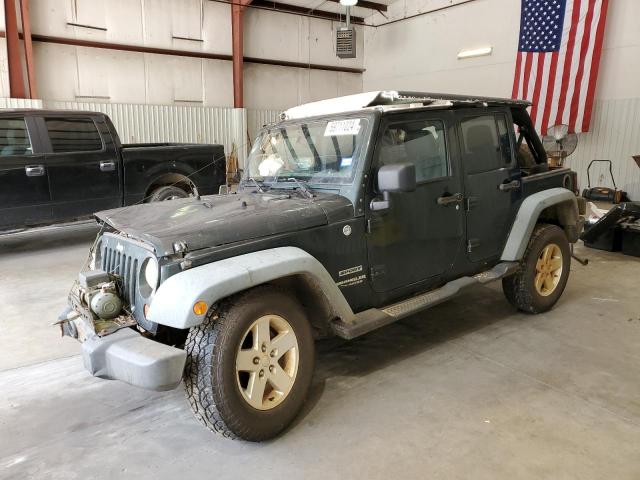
302 186
254 181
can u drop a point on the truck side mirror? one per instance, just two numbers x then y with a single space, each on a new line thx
395 178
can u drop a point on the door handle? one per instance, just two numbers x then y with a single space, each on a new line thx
507 186
107 166
449 199
34 170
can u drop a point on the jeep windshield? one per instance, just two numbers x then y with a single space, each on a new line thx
314 151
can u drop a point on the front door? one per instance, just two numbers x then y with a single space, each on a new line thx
416 239
83 165
492 181
24 186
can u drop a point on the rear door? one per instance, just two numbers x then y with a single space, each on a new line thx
416 239
83 165
24 187
492 180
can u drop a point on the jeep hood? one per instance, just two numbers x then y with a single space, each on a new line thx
221 219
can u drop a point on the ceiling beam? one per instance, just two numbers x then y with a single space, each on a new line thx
380 7
305 11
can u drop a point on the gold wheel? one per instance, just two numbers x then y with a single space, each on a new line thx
267 362
548 270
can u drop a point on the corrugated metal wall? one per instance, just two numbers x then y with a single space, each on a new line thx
256 119
615 136
137 123
170 123
615 131
19 103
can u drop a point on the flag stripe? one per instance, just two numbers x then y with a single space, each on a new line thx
550 93
516 82
527 74
584 79
538 86
575 16
586 32
595 65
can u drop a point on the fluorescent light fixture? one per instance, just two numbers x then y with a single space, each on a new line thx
348 3
475 52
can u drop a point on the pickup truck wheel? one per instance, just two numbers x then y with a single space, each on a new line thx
544 271
167 193
250 364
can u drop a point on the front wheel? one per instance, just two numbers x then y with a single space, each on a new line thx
543 273
250 364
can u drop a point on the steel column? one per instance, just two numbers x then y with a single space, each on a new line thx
28 48
16 79
237 33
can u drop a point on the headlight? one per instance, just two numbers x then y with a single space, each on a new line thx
150 276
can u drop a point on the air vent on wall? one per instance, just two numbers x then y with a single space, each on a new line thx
346 42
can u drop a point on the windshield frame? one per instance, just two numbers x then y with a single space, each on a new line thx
360 155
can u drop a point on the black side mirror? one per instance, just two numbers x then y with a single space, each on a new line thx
398 177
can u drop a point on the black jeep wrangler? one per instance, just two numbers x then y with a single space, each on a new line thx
353 213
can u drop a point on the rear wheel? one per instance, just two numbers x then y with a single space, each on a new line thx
249 365
543 273
169 192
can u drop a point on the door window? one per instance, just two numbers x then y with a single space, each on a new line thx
505 141
419 142
481 146
14 138
73 135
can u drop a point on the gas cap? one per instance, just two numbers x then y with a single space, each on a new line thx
106 305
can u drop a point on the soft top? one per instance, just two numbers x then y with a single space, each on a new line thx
391 98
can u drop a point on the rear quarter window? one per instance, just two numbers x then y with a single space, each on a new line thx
73 135
14 138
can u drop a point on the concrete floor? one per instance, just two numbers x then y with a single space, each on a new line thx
470 389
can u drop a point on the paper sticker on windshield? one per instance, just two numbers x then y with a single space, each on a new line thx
342 127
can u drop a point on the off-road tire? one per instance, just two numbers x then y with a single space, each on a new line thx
520 288
169 192
210 374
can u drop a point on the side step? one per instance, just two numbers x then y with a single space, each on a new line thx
368 320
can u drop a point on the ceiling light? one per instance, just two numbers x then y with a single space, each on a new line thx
476 52
348 3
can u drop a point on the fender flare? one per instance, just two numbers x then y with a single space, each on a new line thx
172 304
528 215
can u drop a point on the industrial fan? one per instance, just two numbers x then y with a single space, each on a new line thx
559 144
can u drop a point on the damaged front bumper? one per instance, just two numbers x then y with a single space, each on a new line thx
121 353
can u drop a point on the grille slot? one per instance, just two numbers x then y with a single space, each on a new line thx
125 267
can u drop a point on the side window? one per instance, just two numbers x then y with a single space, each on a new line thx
505 142
14 138
481 146
419 142
73 135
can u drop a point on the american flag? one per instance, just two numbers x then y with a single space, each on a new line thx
558 59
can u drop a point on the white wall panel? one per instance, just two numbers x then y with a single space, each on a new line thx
614 136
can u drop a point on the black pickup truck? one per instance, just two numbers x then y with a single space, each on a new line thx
58 166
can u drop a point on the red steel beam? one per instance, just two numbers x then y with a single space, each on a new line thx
237 50
16 79
28 48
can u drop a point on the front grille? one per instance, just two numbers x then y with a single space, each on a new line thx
123 258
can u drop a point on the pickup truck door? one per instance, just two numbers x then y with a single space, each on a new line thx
24 186
83 165
492 180
417 238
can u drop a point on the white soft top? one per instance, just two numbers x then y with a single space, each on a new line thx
348 103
